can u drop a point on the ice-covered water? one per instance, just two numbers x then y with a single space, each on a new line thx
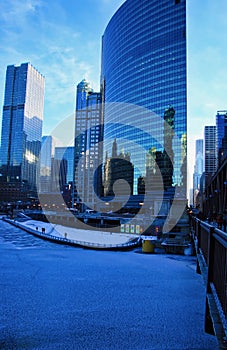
13 236
61 297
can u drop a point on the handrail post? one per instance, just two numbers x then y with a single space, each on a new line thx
209 328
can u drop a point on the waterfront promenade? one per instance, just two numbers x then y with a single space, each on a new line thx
61 297
84 238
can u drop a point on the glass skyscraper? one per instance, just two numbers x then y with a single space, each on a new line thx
22 125
88 146
46 155
221 136
143 79
198 168
66 153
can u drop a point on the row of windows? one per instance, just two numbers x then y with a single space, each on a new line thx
167 73
128 25
138 92
160 12
152 41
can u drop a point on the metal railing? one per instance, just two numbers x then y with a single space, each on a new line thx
211 250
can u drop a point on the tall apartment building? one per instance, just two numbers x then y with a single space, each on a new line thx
22 127
143 75
88 147
210 161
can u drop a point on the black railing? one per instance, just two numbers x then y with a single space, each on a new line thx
211 249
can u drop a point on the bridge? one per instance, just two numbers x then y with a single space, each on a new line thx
211 250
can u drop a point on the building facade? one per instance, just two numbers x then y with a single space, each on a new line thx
47 154
144 65
198 169
58 175
221 136
88 147
210 160
66 153
22 125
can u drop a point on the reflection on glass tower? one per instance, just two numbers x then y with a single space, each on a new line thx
22 125
144 64
159 164
118 167
168 153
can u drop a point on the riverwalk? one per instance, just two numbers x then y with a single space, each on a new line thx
96 239
62 297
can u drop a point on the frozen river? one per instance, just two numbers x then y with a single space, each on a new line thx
61 297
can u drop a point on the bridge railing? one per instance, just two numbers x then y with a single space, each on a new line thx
211 250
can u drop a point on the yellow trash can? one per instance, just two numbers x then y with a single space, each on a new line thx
148 244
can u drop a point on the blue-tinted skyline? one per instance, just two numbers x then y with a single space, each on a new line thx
63 41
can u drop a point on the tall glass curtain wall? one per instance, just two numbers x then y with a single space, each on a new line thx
144 64
22 123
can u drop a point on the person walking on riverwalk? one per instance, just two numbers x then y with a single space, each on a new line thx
220 220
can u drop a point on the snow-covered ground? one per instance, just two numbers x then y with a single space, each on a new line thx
83 236
58 297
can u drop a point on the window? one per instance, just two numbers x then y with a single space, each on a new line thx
177 2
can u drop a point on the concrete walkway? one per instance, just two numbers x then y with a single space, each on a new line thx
85 238
61 297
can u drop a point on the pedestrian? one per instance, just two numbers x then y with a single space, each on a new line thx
220 220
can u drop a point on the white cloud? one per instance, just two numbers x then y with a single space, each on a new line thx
14 11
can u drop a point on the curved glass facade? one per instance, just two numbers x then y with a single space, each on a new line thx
144 64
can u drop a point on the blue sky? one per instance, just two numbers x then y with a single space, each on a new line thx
62 39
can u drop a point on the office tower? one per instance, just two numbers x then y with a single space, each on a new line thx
198 171
221 136
88 146
210 161
58 175
47 153
22 126
66 153
198 168
144 65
